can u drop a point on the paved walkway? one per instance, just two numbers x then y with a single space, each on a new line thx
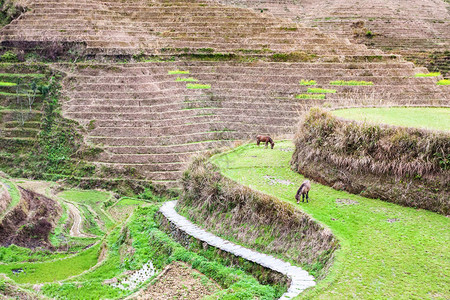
301 280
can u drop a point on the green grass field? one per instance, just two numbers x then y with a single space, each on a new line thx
420 117
53 270
387 251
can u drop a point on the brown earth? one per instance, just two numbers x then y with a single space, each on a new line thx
30 222
179 281
417 29
9 291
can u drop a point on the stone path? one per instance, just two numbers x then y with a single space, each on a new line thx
300 279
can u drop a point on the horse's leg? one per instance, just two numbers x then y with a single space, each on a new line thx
307 196
303 198
266 144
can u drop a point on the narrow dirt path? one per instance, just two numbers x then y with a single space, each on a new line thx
74 213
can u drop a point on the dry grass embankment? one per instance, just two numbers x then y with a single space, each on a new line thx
253 219
405 166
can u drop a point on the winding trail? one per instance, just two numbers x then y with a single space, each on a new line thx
300 279
75 231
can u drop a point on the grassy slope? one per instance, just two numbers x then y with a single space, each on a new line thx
53 270
94 199
14 194
378 260
421 117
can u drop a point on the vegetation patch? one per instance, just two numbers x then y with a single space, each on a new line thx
54 270
307 82
7 83
321 91
444 82
413 265
174 72
431 74
197 86
293 57
189 79
435 118
351 82
311 96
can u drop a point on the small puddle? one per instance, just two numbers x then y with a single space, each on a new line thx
17 271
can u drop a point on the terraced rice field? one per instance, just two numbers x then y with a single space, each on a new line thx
148 121
387 251
434 118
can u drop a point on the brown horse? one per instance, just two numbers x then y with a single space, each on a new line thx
303 190
264 139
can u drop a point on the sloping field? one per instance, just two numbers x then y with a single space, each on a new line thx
387 251
151 117
435 118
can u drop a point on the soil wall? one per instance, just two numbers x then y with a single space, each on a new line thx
30 222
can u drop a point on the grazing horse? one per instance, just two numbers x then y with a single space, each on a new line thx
264 139
303 190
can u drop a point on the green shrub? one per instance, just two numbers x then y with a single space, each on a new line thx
9 56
